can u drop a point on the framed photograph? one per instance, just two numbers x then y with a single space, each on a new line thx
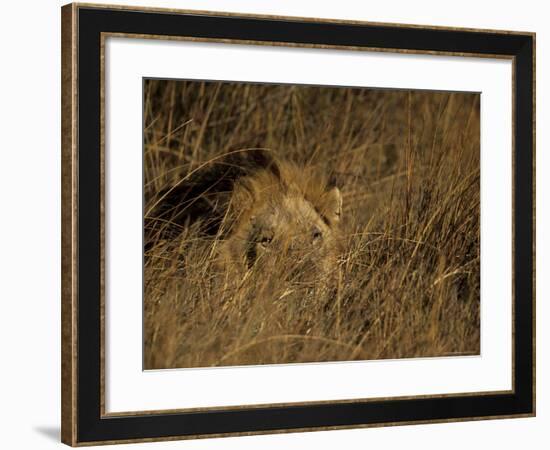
280 224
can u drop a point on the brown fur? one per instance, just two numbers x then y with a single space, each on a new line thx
286 219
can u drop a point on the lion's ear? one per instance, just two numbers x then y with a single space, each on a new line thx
333 205
266 159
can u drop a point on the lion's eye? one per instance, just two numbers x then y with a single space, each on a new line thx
266 240
317 235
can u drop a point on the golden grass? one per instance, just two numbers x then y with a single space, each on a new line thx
407 284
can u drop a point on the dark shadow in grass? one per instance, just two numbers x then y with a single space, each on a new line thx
51 432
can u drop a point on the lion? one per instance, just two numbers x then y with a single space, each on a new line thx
264 213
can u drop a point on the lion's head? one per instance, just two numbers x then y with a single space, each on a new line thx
284 218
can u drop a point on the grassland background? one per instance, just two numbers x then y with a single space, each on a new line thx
407 163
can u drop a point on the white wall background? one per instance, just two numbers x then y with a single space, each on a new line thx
30 223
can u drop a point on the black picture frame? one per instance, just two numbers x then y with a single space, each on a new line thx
83 420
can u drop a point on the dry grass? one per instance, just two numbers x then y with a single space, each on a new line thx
408 280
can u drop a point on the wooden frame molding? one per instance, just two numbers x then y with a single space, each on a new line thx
84 29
